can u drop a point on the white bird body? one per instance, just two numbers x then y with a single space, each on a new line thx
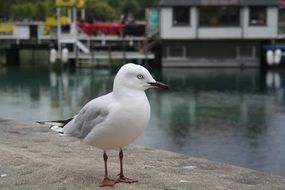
130 115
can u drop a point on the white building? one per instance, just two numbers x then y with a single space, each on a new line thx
221 33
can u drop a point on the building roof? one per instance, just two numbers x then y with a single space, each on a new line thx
259 2
218 2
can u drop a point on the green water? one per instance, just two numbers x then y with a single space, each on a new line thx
229 115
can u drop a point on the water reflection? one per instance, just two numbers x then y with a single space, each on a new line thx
49 93
229 115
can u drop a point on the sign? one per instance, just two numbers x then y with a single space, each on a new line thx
80 4
51 21
6 28
65 3
152 16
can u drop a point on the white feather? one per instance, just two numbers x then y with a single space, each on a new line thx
56 129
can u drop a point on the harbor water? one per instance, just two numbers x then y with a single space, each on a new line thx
228 115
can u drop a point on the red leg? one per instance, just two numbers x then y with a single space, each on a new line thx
121 178
107 181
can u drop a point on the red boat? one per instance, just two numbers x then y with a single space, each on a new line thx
112 28
98 27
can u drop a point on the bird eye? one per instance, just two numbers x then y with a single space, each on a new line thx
140 76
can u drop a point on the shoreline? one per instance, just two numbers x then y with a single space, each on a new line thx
34 157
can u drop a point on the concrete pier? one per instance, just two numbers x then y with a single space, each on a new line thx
33 157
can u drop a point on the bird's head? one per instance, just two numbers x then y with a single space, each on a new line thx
136 77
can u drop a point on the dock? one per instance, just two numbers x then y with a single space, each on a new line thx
34 157
81 48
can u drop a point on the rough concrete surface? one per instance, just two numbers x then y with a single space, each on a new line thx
33 157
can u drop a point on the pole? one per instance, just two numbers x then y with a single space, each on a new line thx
58 30
83 15
74 33
69 13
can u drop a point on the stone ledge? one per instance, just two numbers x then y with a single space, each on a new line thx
33 157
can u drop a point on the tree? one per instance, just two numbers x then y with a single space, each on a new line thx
130 6
97 9
42 10
17 11
100 10
30 10
36 10
4 8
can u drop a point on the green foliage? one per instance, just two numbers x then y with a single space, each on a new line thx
26 10
95 9
100 10
44 9
38 10
130 6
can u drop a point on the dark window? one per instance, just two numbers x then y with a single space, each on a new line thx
181 16
219 16
257 16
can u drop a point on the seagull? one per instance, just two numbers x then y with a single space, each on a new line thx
114 120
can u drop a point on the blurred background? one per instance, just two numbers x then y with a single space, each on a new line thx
223 60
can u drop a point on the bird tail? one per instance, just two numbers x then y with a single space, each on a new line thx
56 125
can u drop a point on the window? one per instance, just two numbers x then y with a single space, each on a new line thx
219 16
181 16
257 16
176 51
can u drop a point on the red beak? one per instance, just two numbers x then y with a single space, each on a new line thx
158 85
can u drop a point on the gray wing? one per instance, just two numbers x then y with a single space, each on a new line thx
59 123
92 114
